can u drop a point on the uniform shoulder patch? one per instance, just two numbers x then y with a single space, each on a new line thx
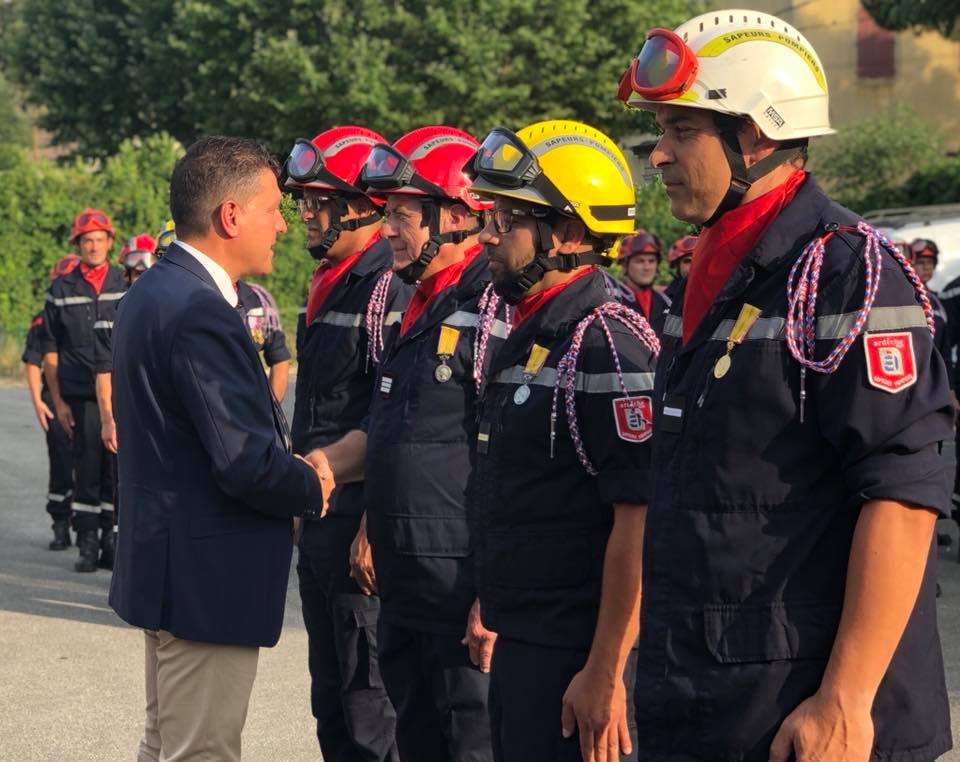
891 364
634 418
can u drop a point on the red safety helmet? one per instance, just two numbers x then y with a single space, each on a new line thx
331 161
65 265
426 162
924 247
681 248
640 242
138 252
90 220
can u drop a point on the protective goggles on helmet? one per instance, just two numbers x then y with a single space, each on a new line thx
166 238
664 69
138 260
305 164
92 218
389 170
503 159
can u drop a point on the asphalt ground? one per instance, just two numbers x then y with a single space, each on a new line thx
71 673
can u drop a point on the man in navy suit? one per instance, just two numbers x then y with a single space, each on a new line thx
207 480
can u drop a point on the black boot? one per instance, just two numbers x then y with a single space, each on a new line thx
89 549
61 534
107 538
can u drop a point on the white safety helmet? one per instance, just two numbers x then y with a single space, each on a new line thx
737 62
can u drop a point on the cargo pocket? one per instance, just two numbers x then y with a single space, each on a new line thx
357 647
740 634
428 536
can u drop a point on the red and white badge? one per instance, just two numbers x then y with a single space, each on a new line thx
634 416
891 365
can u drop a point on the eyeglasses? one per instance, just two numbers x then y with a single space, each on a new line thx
503 218
311 203
664 69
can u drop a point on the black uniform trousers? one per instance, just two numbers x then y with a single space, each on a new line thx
440 696
527 683
60 457
355 720
92 468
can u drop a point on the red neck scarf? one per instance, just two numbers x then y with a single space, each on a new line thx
723 245
644 297
327 276
428 289
532 304
95 276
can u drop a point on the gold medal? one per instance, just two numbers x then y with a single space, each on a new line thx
446 346
722 366
745 321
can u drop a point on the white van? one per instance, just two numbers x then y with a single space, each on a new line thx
940 224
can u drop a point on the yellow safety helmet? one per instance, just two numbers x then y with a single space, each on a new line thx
166 236
566 165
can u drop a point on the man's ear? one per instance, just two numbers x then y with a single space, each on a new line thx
227 219
754 143
459 216
570 235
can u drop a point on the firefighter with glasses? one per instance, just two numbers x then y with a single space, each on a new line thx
563 449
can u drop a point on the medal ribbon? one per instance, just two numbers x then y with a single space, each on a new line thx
447 344
745 321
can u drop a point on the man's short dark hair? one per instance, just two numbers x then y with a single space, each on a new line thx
214 169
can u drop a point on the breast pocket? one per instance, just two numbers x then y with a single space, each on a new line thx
78 324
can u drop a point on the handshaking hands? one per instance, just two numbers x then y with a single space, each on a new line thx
318 462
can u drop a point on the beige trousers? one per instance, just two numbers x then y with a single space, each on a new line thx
197 698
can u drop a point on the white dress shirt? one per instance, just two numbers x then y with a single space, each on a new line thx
219 275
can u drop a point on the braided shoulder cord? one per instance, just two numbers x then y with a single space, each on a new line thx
487 306
567 367
271 313
375 317
802 288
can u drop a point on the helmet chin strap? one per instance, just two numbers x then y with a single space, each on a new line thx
512 287
332 234
741 178
413 272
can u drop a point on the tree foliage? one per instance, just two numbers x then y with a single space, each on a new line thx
107 70
940 15
865 162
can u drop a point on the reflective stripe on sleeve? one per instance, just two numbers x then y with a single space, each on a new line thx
589 383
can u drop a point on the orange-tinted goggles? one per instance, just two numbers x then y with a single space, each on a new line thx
665 68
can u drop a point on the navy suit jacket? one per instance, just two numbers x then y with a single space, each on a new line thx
207 483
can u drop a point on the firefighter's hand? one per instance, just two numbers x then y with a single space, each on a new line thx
361 561
328 483
108 433
596 706
478 639
824 728
65 416
44 414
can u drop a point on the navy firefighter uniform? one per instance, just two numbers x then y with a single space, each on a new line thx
540 520
419 467
355 720
760 473
77 314
263 323
60 479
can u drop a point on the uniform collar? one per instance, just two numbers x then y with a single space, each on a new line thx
555 320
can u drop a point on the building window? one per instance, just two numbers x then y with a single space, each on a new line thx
875 48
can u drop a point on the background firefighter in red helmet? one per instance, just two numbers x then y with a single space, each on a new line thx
680 258
59 449
77 304
640 256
